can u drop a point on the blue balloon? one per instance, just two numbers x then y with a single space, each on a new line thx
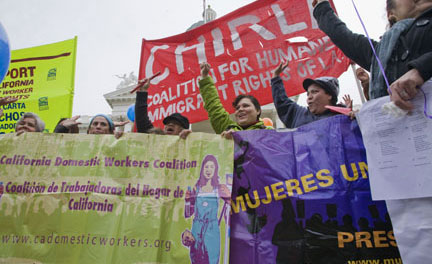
4 53
131 112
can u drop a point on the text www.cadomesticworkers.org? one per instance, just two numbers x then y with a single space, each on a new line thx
87 239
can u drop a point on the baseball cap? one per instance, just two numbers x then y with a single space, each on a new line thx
329 84
176 117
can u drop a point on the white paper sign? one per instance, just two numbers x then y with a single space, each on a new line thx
398 149
412 226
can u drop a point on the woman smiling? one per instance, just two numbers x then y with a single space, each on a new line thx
247 108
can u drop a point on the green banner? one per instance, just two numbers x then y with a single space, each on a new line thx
94 199
42 79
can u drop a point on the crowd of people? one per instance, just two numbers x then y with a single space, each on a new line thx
320 92
405 52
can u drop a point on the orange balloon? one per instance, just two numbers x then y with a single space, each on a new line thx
267 122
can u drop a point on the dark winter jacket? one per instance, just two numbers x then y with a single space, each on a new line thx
289 112
142 120
413 49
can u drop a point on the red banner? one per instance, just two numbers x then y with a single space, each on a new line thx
243 48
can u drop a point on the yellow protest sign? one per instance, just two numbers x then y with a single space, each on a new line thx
42 78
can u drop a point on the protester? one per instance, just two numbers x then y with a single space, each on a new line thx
29 122
5 101
405 50
320 92
247 108
363 77
101 124
175 124
68 125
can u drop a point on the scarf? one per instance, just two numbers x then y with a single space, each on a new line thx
385 47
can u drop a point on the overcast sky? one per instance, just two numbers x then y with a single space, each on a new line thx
110 33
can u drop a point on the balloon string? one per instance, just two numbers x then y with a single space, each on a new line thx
425 108
373 48
380 65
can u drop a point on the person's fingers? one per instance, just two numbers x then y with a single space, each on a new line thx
405 105
285 65
20 132
363 76
279 68
399 102
75 118
7 100
399 87
411 89
185 133
395 90
228 134
118 134
120 123
314 2
404 95
205 68
10 100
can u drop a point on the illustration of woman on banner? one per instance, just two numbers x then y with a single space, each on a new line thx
203 202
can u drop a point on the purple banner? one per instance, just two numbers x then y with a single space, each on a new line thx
304 197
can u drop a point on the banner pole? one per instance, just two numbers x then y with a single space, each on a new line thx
204 11
359 87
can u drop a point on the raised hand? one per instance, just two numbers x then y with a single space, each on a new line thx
282 66
7 100
68 123
348 101
143 85
120 123
315 2
205 69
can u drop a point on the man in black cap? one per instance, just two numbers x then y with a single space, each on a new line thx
175 124
320 92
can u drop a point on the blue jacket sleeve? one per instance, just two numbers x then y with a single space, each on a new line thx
287 109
